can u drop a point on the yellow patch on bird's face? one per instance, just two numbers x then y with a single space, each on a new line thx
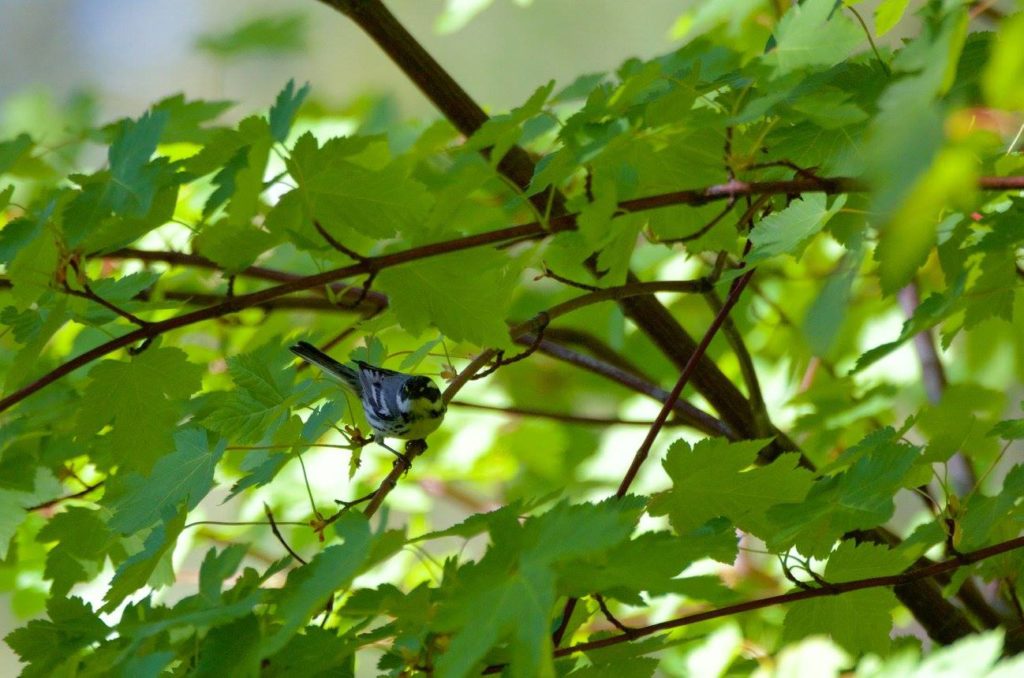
426 416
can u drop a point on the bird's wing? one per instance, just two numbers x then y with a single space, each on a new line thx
379 391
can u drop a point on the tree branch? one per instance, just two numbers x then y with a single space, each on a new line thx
684 378
370 265
914 575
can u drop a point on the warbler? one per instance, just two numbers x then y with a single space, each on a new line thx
397 405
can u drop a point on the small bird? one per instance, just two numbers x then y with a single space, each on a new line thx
396 405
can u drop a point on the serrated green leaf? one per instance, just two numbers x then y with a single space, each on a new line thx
262 398
44 644
142 400
813 34
859 621
136 571
347 197
859 498
82 535
285 106
133 180
185 119
183 477
310 587
714 479
464 295
789 231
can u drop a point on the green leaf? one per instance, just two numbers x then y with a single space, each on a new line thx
33 268
859 498
283 111
13 150
311 586
73 626
185 119
348 197
887 14
909 236
502 132
789 231
490 608
133 179
183 477
828 311
136 571
234 246
142 400
262 398
34 329
464 295
960 421
81 535
1003 76
216 568
714 478
280 34
859 621
927 314
813 34
984 516
232 649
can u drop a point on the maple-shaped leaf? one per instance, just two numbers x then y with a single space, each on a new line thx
183 477
142 400
859 621
859 498
348 196
790 230
46 644
717 478
139 568
813 34
310 587
465 295
262 398
84 541
509 594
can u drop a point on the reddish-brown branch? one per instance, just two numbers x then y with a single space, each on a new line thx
684 379
343 292
795 596
67 497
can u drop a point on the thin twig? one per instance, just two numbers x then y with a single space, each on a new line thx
747 369
87 293
548 273
533 230
609 616
280 537
840 588
333 242
684 378
67 497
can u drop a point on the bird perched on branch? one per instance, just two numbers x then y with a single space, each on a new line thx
396 405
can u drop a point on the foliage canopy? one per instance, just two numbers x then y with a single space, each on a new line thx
809 482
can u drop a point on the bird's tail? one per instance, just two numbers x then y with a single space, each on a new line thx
311 354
